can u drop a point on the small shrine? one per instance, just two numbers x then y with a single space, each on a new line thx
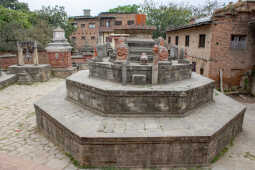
29 73
59 54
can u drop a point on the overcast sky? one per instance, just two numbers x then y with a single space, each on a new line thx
75 7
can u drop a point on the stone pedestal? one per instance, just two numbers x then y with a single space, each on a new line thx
59 54
28 73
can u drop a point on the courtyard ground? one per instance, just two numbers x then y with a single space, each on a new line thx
20 138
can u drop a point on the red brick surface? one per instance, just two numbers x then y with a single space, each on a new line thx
64 59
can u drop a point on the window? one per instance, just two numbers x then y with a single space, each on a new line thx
108 39
73 38
176 40
108 24
82 25
83 38
169 40
75 25
131 22
92 25
201 71
118 22
93 38
202 38
187 41
194 66
238 42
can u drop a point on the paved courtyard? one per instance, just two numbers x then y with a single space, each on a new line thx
19 136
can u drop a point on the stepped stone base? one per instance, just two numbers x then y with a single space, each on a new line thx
29 73
7 79
63 72
112 99
95 140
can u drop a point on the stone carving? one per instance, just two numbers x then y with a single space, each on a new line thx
30 48
122 50
174 52
181 56
144 59
163 52
155 65
100 52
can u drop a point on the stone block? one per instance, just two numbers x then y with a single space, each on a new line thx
139 79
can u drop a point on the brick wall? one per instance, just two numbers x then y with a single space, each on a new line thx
63 60
5 62
218 53
194 54
86 32
234 63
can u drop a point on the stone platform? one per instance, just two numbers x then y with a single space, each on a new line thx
95 140
7 79
63 72
113 99
30 73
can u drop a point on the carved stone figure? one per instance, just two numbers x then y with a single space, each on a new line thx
122 50
163 52
144 59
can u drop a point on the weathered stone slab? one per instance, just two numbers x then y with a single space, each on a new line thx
7 79
95 140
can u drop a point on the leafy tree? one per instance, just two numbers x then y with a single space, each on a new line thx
19 25
126 9
56 16
12 27
14 4
165 15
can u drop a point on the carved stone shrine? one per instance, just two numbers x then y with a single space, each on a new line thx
126 113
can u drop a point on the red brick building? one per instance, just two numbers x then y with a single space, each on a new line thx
98 30
221 43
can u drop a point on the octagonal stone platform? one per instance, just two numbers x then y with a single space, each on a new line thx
95 140
113 99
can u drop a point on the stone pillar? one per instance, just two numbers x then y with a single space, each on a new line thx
35 54
21 61
155 65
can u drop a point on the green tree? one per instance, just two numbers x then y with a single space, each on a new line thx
13 26
126 9
14 4
164 16
56 16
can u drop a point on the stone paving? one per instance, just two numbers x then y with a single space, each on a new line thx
19 136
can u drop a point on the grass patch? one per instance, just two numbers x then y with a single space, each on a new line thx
221 154
77 164
249 156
